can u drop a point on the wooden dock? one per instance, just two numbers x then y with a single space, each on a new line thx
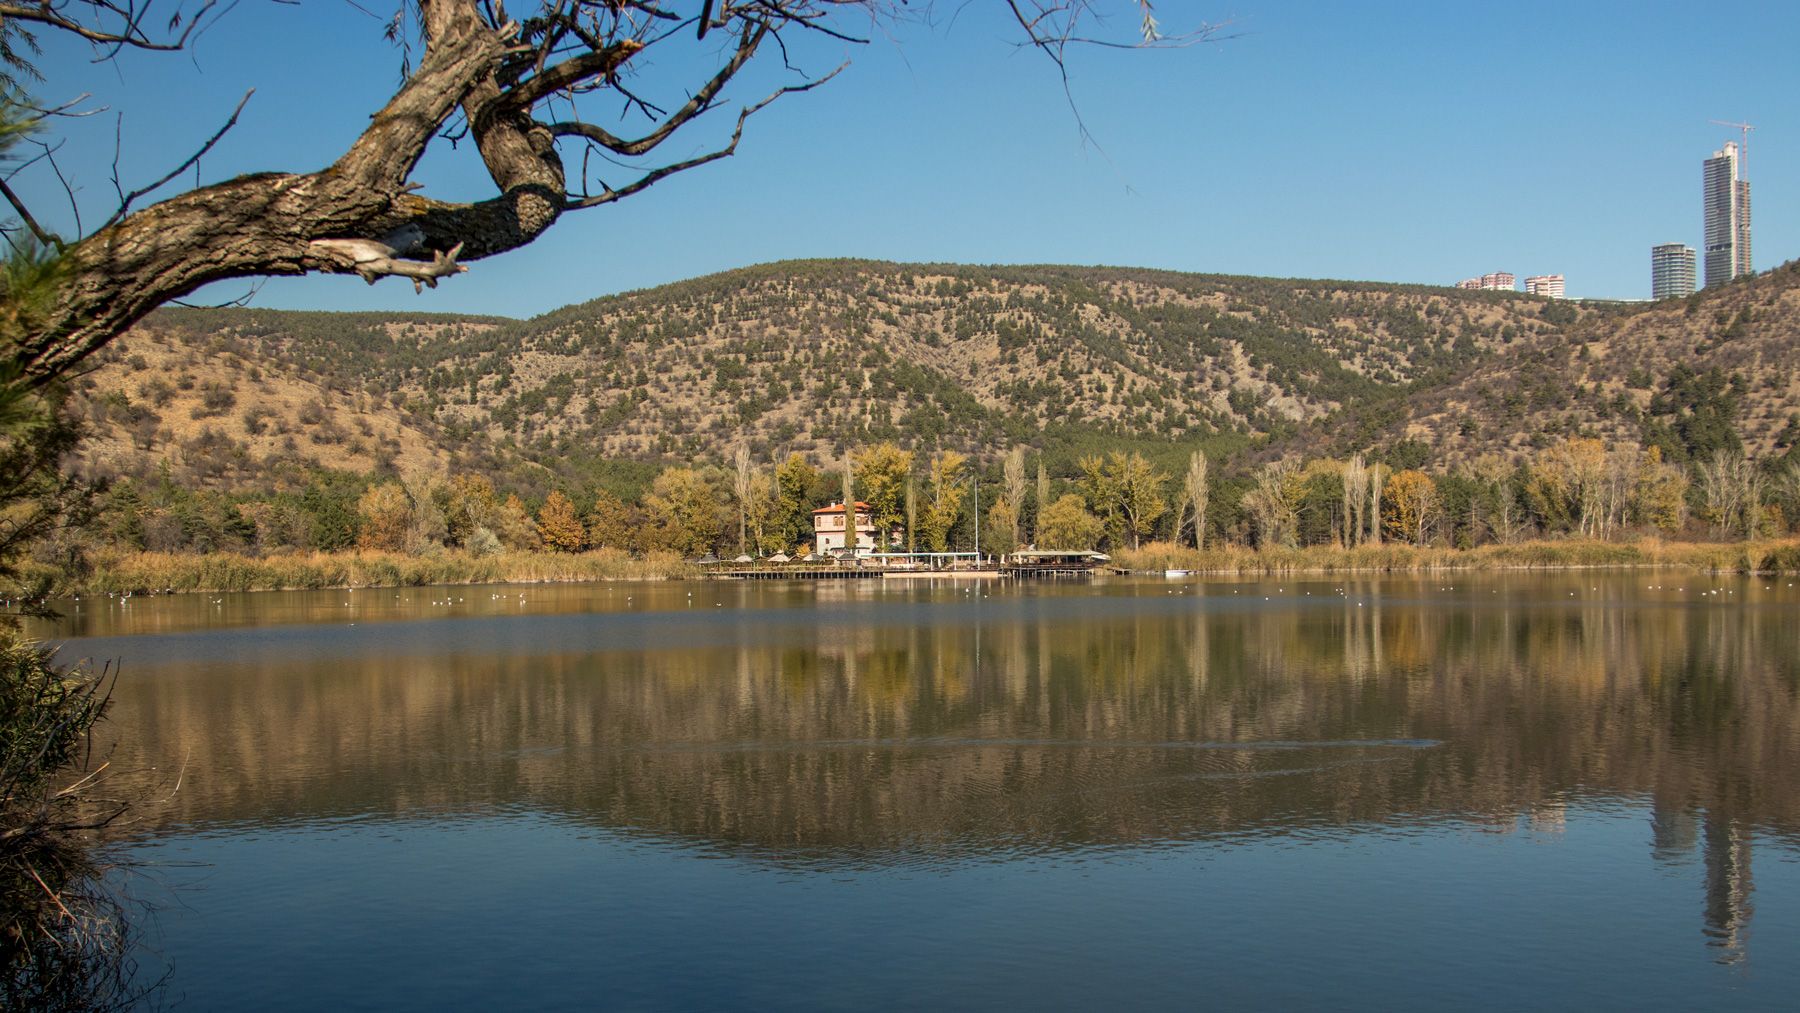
1053 563
1066 569
940 566
795 573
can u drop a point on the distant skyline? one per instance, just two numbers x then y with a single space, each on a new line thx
1411 143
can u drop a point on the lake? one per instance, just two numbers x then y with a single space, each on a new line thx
1496 791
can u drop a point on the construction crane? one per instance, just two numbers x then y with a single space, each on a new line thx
1744 148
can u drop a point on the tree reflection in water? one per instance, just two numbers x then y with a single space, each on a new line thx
848 724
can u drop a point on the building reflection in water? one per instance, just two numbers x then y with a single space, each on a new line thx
1728 886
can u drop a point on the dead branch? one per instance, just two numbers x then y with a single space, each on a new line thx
374 260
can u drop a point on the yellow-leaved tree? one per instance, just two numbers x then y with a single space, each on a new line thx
1412 503
558 524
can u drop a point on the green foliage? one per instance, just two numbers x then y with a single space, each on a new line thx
329 505
1694 415
797 484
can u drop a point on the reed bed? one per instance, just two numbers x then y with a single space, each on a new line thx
158 571
142 572
1738 557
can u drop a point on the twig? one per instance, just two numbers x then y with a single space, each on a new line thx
125 203
49 892
730 148
47 238
242 300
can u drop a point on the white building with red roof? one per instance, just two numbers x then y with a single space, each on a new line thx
829 529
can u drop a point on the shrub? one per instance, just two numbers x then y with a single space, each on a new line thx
62 937
483 542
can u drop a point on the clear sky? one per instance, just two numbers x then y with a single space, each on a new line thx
1419 142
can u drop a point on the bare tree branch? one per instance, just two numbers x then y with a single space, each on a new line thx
47 238
113 25
729 149
125 201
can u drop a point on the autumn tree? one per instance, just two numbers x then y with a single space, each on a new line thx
763 512
1356 492
1731 487
1195 495
1005 517
610 524
1002 525
1786 489
558 525
945 492
1126 490
1067 524
742 474
514 527
1274 503
1659 499
470 503
429 527
881 472
1376 480
1412 506
1497 506
849 501
386 514
684 507
912 513
1041 494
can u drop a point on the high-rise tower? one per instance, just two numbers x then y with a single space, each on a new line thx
1727 233
1671 271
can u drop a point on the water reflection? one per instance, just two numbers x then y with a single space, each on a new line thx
848 725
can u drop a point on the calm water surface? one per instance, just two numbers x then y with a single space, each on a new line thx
1498 792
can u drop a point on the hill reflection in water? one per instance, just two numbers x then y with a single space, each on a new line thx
845 726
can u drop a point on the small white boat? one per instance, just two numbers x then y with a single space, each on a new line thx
1178 574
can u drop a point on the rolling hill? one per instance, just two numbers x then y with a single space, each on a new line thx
814 355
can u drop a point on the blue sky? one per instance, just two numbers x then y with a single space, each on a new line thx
1395 142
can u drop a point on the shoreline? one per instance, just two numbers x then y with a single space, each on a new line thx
163 573
155 573
1760 556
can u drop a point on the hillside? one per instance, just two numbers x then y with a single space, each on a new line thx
805 356
1689 375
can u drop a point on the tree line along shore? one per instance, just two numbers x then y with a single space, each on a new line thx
1575 502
